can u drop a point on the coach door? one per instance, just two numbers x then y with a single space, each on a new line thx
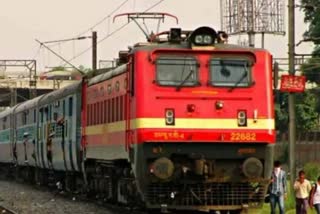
69 130
129 96
41 142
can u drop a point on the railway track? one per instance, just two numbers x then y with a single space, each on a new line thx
4 210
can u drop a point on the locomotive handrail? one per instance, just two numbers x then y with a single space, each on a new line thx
152 56
148 15
153 37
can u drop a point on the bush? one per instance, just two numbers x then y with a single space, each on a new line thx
312 171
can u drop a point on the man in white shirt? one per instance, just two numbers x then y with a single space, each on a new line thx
302 188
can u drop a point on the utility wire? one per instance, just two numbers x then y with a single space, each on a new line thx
113 32
104 18
36 53
68 62
95 25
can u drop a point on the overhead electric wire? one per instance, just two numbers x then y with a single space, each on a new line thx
104 18
37 52
113 32
93 26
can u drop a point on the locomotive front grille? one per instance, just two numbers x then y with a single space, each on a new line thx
206 194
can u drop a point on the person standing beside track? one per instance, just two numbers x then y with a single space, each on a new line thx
302 188
278 188
315 196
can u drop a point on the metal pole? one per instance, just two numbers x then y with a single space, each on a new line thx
94 50
262 40
13 95
251 33
291 98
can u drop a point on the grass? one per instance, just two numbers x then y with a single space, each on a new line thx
266 210
289 205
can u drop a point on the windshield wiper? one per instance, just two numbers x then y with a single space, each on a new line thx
185 80
244 75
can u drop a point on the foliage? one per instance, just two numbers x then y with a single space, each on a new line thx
311 9
307 112
58 68
282 118
84 69
312 67
284 157
312 170
290 202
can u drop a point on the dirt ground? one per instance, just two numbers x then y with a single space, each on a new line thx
25 199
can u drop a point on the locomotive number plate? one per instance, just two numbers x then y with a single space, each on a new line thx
243 136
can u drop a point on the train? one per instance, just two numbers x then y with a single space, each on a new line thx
184 122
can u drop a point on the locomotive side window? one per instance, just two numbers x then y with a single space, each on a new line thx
177 71
230 72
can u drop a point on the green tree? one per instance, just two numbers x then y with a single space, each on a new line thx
312 170
311 9
84 69
307 107
58 68
282 118
311 69
306 111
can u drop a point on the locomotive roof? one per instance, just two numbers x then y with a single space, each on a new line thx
108 75
186 45
167 45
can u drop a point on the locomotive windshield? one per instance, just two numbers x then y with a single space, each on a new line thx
230 72
177 71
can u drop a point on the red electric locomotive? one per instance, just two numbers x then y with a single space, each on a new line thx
185 123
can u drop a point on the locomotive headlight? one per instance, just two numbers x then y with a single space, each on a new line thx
207 39
198 39
242 118
202 39
203 36
169 116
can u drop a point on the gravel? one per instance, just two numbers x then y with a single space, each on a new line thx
25 199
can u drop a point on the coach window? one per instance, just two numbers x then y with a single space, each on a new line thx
177 71
46 110
50 112
4 123
34 116
70 106
24 118
230 72
41 115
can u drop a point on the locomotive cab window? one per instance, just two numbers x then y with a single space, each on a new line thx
177 71
230 72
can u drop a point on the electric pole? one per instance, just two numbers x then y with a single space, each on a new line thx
291 98
251 33
94 50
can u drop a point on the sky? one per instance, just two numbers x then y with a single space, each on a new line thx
24 21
